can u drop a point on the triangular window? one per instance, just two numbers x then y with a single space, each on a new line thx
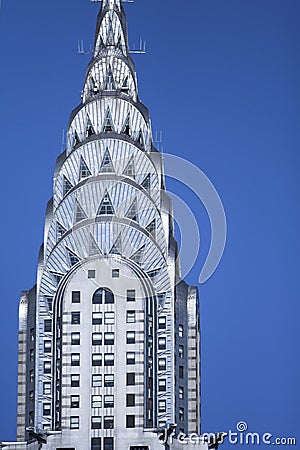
146 184
132 212
151 228
73 258
125 85
137 256
60 231
89 130
153 273
108 122
110 33
106 165
106 206
79 213
110 83
93 247
126 126
119 44
76 139
140 138
67 186
84 171
117 247
57 276
129 170
93 86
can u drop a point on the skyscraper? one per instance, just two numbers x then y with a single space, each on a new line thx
109 339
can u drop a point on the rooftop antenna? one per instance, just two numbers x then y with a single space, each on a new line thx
123 1
81 49
63 140
141 50
159 140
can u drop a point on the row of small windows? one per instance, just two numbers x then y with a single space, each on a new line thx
97 380
103 296
99 401
96 422
108 359
97 339
97 317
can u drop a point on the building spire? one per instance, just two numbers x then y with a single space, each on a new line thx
111 4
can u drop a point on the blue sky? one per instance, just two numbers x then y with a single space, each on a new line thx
221 79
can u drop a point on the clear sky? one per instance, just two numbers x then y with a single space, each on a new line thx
221 79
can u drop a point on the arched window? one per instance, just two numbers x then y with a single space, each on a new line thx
103 295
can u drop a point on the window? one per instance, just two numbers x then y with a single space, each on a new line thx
46 409
97 359
31 417
108 422
130 295
162 385
109 359
130 317
97 297
97 338
47 326
91 273
31 355
96 401
181 392
130 358
181 414
180 330
47 367
109 380
75 399
31 395
181 351
109 318
75 297
75 359
75 338
130 421
162 406
75 380
130 337
97 380
150 382
75 318
115 273
32 334
47 346
97 318
106 207
109 297
180 371
74 422
108 401
162 323
96 423
130 379
47 389
130 400
140 447
109 338
96 443
162 343
108 443
162 363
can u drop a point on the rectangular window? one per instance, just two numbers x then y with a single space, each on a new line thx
162 363
181 392
130 358
31 355
180 371
47 346
96 443
74 422
32 334
75 399
97 380
115 273
75 318
181 351
130 400
109 318
180 331
31 395
162 343
108 401
31 417
96 401
91 273
130 295
97 339
96 423
108 422
75 359
97 359
162 406
162 323
75 380
130 421
75 297
109 338
47 326
130 337
97 318
130 379
109 359
75 338
109 380
46 409
162 385
130 317
47 389
181 414
47 367
108 443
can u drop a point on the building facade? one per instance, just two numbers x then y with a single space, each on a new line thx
109 339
